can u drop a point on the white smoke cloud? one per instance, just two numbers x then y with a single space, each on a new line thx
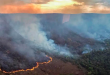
94 26
29 27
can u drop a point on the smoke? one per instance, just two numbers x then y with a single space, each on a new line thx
22 38
16 50
95 26
81 29
76 31
30 37
29 27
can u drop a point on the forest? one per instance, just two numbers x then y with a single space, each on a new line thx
96 62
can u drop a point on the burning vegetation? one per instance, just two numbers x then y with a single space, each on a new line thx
15 53
26 40
11 61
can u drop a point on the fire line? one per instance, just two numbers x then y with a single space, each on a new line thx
37 65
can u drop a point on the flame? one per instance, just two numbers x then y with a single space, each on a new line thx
48 61
37 65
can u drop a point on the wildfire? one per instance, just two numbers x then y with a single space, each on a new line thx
37 65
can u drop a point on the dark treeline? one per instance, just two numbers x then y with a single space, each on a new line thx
96 62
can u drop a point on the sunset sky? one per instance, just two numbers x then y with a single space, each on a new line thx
55 6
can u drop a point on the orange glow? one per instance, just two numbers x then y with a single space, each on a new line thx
53 6
37 65
27 8
48 61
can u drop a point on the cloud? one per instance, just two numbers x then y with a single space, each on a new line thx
93 2
27 8
54 6
97 8
6 2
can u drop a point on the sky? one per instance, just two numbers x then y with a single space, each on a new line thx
55 6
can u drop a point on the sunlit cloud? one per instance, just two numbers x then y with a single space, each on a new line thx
54 6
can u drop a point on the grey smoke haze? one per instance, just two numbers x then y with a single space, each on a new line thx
96 26
22 36
13 40
81 28
38 30
29 27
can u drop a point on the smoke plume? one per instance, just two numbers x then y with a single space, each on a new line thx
94 26
28 38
